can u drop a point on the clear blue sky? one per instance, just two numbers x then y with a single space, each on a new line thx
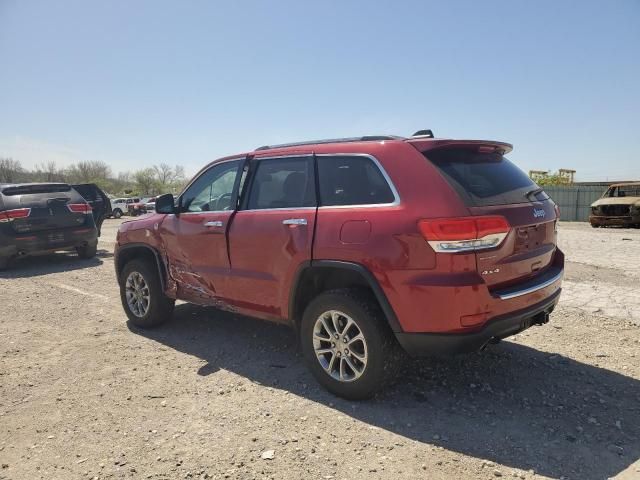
139 82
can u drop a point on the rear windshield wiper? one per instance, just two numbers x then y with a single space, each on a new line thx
535 191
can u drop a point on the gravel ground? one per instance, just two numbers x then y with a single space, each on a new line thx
214 395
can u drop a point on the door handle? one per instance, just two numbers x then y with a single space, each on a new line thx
295 221
216 223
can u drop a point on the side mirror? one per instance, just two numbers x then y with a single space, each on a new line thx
165 204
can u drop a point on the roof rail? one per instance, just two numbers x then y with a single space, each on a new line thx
366 138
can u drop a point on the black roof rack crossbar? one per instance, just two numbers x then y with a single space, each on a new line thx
366 138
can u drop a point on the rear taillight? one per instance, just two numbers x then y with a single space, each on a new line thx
79 207
464 234
10 215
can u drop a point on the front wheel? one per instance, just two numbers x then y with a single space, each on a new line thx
117 213
348 344
142 297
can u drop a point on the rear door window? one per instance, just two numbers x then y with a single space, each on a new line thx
352 180
484 179
282 183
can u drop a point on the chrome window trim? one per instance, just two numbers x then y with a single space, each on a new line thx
535 288
205 211
276 209
396 202
289 155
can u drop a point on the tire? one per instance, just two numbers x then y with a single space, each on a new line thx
594 225
159 307
117 213
87 251
379 348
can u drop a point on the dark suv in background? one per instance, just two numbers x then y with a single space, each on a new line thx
99 201
365 245
41 217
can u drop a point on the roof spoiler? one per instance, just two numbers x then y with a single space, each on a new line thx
484 146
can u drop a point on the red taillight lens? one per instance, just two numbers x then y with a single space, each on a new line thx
448 229
490 225
9 215
79 207
465 228
464 233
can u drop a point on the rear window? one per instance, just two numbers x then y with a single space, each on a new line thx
35 189
484 179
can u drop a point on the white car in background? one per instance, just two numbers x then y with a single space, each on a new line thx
120 206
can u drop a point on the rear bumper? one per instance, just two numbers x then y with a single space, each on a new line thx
428 344
625 220
29 243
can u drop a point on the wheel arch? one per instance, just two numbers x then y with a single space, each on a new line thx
316 276
131 251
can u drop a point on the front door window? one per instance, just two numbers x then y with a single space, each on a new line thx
213 190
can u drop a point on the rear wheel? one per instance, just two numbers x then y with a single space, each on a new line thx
142 297
117 213
347 343
87 251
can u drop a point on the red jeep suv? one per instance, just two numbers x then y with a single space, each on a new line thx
365 245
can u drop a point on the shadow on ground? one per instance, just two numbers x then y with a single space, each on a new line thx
44 264
511 404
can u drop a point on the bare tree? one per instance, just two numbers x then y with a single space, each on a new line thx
124 177
179 175
10 170
163 173
166 174
49 172
168 178
90 171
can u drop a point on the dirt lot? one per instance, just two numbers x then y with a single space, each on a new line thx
83 395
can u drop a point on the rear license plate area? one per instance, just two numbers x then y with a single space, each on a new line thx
528 238
55 237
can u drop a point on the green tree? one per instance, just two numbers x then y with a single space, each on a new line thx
553 179
146 181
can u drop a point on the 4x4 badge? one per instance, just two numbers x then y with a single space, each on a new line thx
538 213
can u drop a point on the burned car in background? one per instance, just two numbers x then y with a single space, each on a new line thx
619 206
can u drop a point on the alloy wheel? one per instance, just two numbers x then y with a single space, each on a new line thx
137 294
340 346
